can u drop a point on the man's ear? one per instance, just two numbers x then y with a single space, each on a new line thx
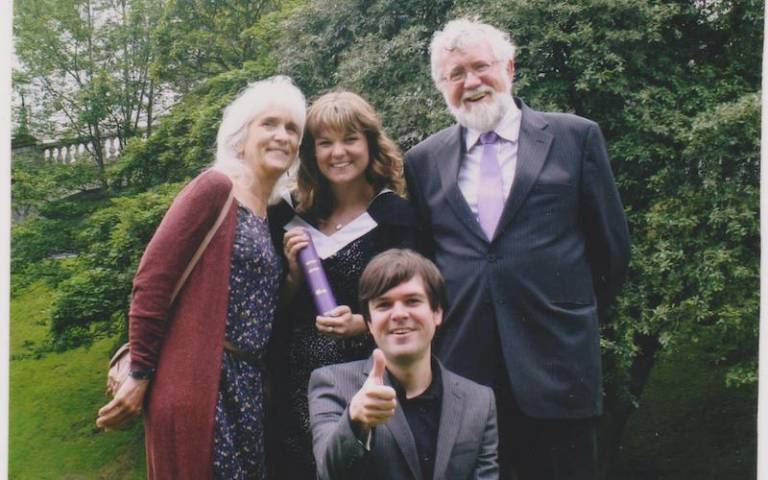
511 69
438 315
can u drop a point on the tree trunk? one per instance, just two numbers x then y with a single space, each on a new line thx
618 408
98 156
150 107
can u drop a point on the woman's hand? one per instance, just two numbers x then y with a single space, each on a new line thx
126 405
341 323
293 241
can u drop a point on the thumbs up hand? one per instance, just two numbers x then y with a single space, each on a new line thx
376 376
375 402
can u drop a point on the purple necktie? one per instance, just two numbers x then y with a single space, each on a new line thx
490 194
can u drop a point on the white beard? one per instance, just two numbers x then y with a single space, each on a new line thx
483 116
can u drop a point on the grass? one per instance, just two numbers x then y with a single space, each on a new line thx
30 314
53 404
690 426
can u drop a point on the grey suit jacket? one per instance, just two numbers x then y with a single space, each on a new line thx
561 249
466 442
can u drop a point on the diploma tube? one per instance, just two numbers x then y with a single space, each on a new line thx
316 279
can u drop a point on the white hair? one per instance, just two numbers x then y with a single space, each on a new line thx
459 33
252 101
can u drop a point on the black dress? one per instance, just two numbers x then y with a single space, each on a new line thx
298 347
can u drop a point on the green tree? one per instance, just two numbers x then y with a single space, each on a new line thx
202 39
21 128
35 185
88 65
93 300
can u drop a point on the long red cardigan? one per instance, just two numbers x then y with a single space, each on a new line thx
184 340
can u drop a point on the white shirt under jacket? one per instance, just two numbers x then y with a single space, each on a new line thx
508 131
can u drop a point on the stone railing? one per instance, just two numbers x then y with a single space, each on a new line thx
67 152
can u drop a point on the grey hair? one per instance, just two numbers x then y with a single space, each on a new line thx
251 102
462 32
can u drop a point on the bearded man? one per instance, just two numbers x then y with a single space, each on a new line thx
525 223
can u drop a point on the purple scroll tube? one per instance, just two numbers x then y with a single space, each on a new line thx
316 279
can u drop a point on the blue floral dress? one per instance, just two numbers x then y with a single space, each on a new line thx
254 281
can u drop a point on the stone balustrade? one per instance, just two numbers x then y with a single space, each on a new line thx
61 152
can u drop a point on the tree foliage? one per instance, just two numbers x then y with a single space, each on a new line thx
696 263
94 299
49 202
87 64
36 186
202 39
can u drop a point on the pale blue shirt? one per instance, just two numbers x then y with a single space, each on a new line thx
508 131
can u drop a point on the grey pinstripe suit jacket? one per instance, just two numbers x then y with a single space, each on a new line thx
467 437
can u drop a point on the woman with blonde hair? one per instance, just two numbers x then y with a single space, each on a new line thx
349 201
196 356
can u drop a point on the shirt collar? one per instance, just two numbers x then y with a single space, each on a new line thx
508 128
433 392
288 195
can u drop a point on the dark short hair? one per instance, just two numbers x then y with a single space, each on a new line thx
393 267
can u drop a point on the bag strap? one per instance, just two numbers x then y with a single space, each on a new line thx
118 354
204 243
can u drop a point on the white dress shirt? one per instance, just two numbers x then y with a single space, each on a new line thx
508 131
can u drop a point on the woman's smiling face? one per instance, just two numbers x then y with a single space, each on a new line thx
272 142
342 157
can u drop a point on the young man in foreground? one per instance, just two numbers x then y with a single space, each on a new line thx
400 414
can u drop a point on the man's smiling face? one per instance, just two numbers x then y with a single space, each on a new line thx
476 86
403 323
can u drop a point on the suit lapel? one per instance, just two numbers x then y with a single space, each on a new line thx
399 429
401 432
450 420
533 147
447 162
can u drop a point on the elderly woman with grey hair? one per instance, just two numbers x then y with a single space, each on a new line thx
196 357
